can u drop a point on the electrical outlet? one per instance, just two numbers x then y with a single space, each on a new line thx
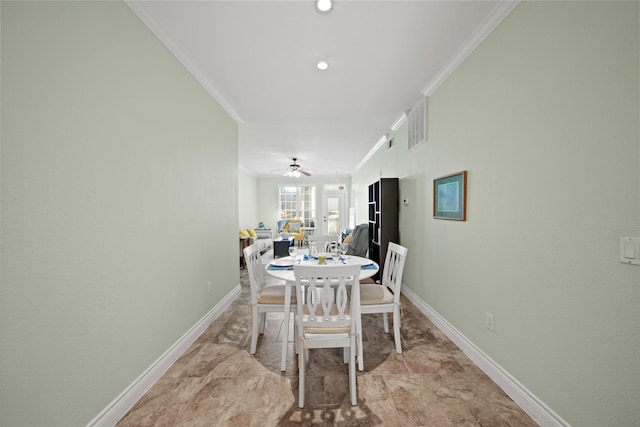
209 288
490 322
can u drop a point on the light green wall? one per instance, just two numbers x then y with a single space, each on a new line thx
268 209
119 203
544 116
248 200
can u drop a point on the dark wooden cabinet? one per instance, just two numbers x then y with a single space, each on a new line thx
281 246
384 210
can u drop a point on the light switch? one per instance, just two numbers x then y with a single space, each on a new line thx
630 250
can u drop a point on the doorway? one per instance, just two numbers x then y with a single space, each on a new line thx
334 214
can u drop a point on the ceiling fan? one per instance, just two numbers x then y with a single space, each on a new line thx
295 170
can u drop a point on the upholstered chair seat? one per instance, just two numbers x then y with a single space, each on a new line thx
375 294
273 294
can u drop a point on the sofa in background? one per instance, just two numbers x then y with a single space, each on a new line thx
263 233
265 245
256 233
249 236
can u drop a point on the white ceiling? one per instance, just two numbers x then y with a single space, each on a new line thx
258 60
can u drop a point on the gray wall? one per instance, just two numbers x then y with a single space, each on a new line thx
544 117
119 204
248 199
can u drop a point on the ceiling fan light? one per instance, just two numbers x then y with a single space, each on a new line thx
324 5
322 65
296 174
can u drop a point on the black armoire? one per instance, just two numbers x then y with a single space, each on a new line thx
384 207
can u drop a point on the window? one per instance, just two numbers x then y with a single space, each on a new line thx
298 202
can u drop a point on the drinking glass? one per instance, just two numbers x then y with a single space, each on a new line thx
335 250
343 249
313 249
293 251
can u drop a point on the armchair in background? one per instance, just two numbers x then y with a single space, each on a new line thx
359 241
295 230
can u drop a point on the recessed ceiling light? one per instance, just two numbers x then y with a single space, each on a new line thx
324 5
322 65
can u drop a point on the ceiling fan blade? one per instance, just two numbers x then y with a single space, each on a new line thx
304 172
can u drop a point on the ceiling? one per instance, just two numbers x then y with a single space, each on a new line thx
258 60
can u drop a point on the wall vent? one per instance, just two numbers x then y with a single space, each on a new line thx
417 122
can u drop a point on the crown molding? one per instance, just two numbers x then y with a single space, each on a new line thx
247 171
141 12
501 11
399 121
380 143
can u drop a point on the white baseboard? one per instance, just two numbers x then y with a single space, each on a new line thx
125 401
533 406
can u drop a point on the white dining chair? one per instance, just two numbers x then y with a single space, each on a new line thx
265 298
385 297
329 317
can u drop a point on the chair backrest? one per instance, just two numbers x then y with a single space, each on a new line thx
333 306
321 238
393 268
323 243
359 244
265 247
255 269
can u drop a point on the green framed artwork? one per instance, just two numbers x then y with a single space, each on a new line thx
450 197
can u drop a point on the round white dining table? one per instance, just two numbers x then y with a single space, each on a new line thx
282 268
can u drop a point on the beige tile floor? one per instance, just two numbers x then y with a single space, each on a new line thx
216 382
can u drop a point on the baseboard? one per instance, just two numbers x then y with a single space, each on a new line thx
533 406
125 401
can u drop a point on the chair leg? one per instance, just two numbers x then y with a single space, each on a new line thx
396 328
353 391
296 341
263 320
254 329
360 351
301 373
385 321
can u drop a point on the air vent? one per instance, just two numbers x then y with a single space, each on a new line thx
417 121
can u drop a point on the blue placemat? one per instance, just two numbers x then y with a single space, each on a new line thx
307 257
368 267
279 267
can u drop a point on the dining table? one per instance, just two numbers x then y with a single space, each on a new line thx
282 268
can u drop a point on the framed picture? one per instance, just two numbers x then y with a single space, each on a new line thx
450 197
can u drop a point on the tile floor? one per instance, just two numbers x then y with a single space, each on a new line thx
216 382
